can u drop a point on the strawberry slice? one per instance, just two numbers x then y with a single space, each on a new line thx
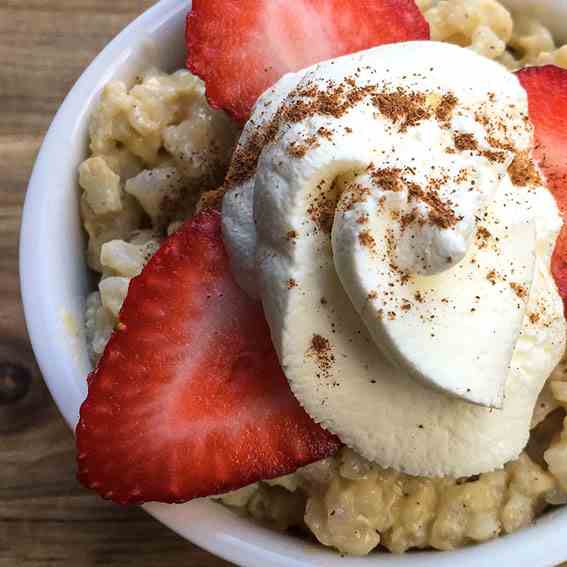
559 265
547 99
242 47
188 398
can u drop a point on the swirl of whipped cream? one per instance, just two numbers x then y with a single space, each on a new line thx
376 211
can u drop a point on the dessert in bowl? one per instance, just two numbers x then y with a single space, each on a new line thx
158 151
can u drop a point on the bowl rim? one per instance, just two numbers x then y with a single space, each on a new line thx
205 523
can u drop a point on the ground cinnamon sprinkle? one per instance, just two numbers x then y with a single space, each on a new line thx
321 211
500 144
534 318
445 109
407 219
403 107
435 184
491 277
325 133
356 193
523 171
462 175
389 178
490 155
483 235
519 290
482 118
464 142
390 240
440 213
334 101
305 102
292 235
211 199
406 108
245 159
299 150
319 344
321 350
367 240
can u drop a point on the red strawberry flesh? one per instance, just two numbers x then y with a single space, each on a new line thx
242 47
189 398
547 99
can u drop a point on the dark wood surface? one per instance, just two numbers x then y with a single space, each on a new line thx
46 518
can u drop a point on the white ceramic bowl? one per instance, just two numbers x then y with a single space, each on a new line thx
54 284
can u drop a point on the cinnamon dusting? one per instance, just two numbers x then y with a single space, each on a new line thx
464 142
403 107
483 237
519 290
367 240
389 178
321 350
444 111
321 210
356 193
523 171
441 214
491 277
534 318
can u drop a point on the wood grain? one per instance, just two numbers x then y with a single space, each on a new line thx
46 518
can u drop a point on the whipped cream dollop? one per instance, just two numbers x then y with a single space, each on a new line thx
386 209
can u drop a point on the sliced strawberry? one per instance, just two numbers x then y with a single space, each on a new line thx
242 47
559 265
188 398
547 99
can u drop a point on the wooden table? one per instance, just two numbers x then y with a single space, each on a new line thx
46 518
